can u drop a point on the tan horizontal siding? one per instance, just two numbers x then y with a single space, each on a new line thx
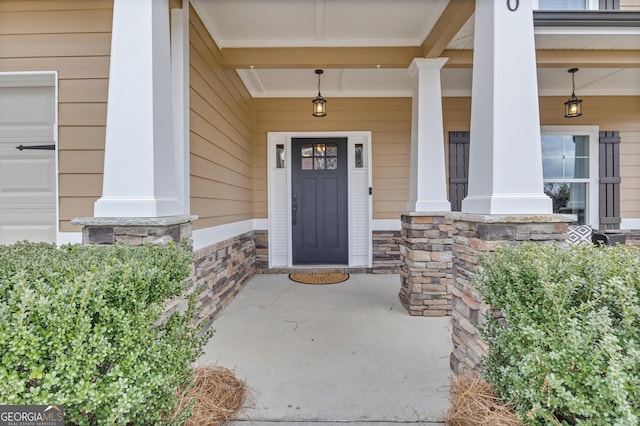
56 21
80 185
72 37
389 120
630 172
47 45
630 5
53 5
221 136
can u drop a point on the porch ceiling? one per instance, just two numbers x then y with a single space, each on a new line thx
365 47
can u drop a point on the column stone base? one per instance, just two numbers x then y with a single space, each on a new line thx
474 235
426 263
135 230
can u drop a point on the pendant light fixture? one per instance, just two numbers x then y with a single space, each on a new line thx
319 103
573 106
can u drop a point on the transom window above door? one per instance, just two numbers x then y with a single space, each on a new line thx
319 156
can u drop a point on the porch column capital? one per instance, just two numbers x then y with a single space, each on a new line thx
139 169
505 164
427 186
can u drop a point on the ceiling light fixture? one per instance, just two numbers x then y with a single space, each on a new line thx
319 103
573 106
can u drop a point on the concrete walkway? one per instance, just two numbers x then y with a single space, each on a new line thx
341 353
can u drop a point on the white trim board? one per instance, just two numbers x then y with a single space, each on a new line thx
279 198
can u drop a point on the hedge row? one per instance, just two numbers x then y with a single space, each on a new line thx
568 352
77 328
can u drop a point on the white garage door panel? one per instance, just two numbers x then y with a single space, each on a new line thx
10 234
27 177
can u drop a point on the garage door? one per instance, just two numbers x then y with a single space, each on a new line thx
27 159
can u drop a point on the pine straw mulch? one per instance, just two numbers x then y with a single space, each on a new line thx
219 396
473 403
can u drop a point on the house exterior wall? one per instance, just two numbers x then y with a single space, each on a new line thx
72 37
609 113
629 4
389 120
221 136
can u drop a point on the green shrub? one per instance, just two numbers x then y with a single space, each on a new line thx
569 350
77 328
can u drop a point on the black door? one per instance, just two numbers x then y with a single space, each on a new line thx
319 201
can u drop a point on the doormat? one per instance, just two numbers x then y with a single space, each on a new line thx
322 278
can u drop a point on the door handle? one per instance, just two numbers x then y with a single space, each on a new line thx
294 210
50 147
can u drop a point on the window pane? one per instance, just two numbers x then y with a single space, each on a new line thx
320 148
552 146
332 150
307 150
568 198
359 156
562 5
332 163
307 164
565 157
578 168
552 168
319 163
279 156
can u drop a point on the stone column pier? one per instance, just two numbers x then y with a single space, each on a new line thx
426 267
474 235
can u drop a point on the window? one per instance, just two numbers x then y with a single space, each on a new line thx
566 5
319 156
569 168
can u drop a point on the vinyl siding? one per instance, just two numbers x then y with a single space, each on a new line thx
630 5
389 120
72 37
221 114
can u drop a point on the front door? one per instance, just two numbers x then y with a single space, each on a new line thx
319 195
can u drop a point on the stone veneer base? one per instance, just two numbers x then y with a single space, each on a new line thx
473 236
386 256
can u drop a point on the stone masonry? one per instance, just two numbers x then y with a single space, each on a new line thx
385 256
475 235
426 269
220 272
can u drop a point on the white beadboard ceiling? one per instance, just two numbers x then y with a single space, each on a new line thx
383 23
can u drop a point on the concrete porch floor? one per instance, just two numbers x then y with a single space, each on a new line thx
340 353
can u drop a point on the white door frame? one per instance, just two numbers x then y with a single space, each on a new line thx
41 78
279 198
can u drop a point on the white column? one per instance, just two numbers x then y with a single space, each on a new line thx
428 186
139 168
505 165
180 78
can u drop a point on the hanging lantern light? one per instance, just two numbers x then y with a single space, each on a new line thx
319 103
573 106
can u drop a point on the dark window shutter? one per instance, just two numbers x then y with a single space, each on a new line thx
609 180
609 4
458 168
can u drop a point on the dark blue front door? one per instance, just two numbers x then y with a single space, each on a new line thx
319 195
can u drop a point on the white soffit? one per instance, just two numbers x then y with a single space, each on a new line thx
455 82
326 23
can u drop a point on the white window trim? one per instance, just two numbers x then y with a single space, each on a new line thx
279 218
593 195
591 5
